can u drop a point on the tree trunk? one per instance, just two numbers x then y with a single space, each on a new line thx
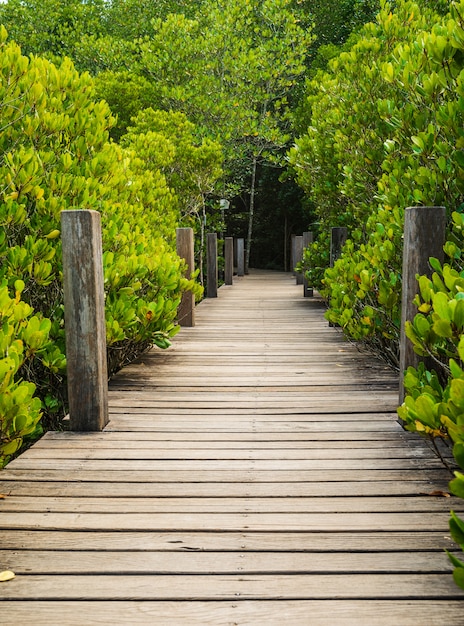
251 214
202 220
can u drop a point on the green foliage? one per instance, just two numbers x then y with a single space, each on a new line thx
434 404
55 155
316 259
384 134
167 141
51 27
335 20
231 70
232 67
131 19
22 339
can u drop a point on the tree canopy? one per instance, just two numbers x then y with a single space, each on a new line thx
234 68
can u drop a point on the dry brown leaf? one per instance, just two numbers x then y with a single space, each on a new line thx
442 494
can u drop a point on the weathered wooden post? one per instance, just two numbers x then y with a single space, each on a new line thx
185 249
212 266
228 260
84 303
292 254
338 239
339 235
240 256
298 257
424 237
308 238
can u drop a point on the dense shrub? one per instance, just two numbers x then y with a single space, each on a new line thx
383 135
55 155
22 339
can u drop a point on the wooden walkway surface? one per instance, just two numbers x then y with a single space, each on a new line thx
254 473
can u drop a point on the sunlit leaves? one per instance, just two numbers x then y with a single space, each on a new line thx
55 155
384 135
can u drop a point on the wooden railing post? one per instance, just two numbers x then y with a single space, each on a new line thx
298 257
185 250
339 234
240 256
424 237
338 239
292 254
84 303
228 260
212 266
308 238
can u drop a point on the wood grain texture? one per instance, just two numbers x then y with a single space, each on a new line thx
84 304
244 613
185 249
254 473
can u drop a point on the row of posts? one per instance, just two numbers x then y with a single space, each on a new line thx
84 300
299 243
185 250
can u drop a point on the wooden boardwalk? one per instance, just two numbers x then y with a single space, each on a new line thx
254 473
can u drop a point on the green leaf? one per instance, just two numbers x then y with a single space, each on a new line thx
425 407
435 264
458 315
458 576
443 328
456 486
441 306
459 158
456 370
458 453
422 325
457 392
456 526
454 560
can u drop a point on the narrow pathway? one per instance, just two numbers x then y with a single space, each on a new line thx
254 473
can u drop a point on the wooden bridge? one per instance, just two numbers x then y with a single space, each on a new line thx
254 473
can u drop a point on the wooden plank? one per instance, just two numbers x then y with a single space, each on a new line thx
227 454
149 465
244 612
113 438
227 587
84 562
283 541
141 400
167 475
150 422
299 489
167 444
213 522
230 504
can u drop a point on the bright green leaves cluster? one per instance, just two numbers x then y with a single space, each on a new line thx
437 329
55 155
22 337
51 27
167 141
384 132
434 404
435 408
